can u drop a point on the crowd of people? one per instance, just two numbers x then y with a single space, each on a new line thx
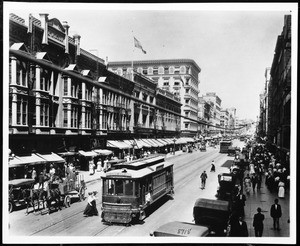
262 163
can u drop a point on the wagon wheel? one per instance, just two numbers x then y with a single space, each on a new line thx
81 193
67 201
10 207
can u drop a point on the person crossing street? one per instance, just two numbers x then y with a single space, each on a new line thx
203 178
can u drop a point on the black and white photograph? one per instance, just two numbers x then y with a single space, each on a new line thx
149 123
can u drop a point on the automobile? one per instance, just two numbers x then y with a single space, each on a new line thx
17 194
226 186
181 229
213 214
202 147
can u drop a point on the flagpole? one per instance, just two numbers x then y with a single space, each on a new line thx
132 58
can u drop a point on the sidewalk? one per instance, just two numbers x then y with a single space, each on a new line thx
264 199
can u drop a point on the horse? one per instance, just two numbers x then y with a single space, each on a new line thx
53 195
38 196
27 198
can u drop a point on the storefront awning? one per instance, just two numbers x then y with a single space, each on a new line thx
68 153
159 143
103 152
180 141
87 153
144 143
26 160
118 144
136 145
51 157
150 142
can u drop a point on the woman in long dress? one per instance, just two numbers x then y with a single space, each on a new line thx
89 210
247 181
281 189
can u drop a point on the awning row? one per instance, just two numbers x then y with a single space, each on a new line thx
146 143
34 159
37 158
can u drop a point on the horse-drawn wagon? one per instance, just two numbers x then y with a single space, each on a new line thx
70 188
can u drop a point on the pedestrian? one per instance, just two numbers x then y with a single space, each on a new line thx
52 172
91 166
281 189
89 210
213 168
247 182
276 214
239 228
34 174
203 178
41 180
239 204
254 181
258 223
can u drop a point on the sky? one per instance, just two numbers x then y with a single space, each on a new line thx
233 44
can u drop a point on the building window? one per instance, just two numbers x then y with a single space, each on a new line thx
44 81
44 116
120 71
186 125
166 84
187 101
65 116
182 69
65 86
161 70
145 97
74 90
88 118
74 116
150 70
22 108
21 74
140 70
171 70
187 91
176 83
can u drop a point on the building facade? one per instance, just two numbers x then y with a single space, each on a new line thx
279 91
63 98
178 76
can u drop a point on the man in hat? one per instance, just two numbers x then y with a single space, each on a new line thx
258 223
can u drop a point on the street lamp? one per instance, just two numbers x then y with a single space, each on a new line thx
174 140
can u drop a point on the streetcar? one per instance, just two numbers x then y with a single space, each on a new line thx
224 145
134 186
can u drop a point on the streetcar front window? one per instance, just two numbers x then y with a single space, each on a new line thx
119 187
128 187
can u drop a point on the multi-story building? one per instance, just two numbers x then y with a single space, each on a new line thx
279 91
224 120
179 76
62 98
216 109
232 117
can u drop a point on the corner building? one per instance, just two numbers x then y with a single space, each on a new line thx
64 100
178 76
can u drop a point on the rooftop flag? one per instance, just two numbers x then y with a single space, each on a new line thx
137 44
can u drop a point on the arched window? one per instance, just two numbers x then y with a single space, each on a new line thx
150 70
161 70
120 71
140 70
171 70
182 69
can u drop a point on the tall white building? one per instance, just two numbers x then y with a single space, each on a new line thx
179 76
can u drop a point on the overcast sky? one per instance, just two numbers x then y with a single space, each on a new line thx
232 44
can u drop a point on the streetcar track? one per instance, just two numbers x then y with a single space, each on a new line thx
57 222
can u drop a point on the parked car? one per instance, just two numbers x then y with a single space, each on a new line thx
181 229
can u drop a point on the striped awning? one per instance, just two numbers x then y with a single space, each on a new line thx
118 144
51 157
26 160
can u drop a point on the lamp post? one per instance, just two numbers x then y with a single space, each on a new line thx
174 140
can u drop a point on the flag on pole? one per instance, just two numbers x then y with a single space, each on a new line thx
137 44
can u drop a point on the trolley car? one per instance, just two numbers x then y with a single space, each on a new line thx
134 186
